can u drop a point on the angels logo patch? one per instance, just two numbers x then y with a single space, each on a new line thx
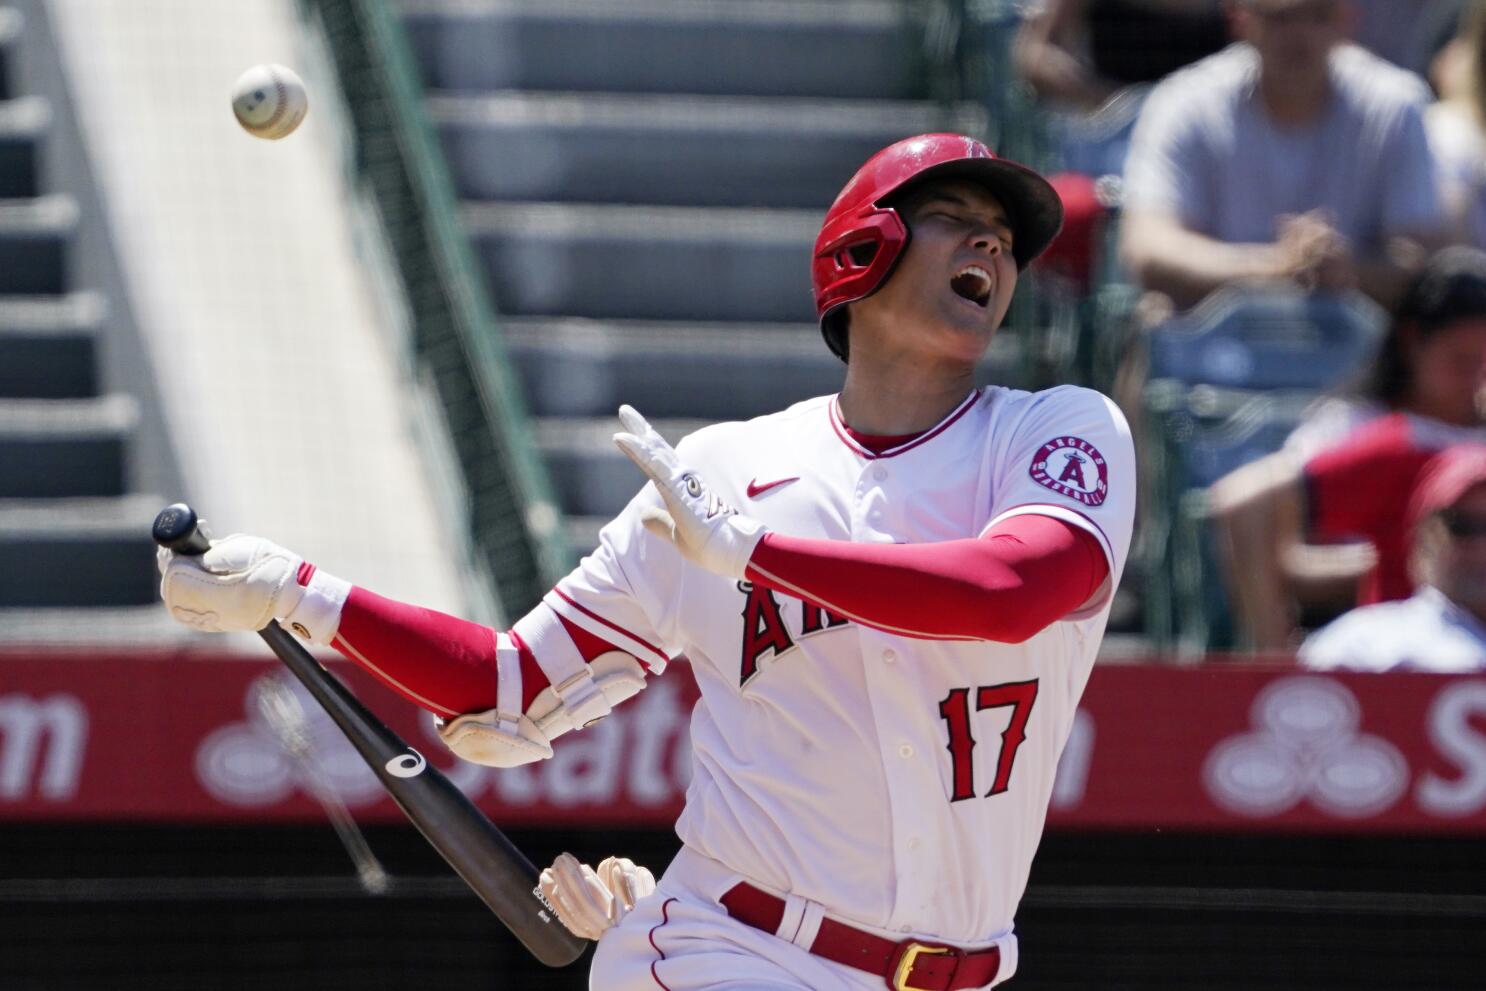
1072 467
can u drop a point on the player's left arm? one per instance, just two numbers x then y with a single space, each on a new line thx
1023 575
1046 557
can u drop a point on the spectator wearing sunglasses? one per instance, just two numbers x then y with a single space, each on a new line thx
1442 626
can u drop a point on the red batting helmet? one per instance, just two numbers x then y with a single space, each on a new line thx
862 239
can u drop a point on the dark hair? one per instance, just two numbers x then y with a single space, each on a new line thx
1450 288
834 327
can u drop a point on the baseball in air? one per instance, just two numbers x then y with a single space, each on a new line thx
269 101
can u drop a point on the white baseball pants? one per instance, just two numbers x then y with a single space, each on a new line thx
681 939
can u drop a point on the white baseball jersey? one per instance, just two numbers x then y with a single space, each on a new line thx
901 783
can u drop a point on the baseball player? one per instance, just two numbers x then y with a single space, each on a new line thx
891 599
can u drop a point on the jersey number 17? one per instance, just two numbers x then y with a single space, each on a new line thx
1020 696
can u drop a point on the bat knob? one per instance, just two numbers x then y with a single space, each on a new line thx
176 529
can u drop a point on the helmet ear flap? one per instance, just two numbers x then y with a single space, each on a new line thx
850 263
852 260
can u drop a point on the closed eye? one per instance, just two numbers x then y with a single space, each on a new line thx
1003 234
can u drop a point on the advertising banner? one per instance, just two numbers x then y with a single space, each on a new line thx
185 737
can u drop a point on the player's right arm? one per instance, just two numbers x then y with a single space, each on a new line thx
502 697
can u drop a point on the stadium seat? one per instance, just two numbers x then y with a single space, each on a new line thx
1265 339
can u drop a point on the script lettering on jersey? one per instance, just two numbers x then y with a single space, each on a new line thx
765 630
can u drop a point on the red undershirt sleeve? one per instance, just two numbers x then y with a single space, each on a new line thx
440 662
1024 574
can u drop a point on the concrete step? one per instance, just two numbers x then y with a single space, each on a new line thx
11 23
34 237
78 552
592 476
23 126
671 150
716 371
646 263
49 345
833 48
52 448
719 371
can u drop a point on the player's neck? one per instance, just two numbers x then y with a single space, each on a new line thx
896 400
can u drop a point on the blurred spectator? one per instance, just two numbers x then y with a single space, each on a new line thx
1290 155
1457 129
1427 365
1442 626
1428 383
1079 53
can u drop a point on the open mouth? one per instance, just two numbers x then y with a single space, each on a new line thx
973 283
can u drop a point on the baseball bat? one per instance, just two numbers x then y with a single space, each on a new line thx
479 852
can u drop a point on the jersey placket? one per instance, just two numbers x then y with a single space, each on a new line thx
912 780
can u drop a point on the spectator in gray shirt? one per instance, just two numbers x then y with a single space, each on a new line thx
1290 155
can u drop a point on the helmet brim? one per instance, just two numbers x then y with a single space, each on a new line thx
1032 204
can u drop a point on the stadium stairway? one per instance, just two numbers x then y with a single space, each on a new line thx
642 183
76 561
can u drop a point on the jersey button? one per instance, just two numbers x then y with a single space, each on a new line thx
889 656
913 843
905 751
880 474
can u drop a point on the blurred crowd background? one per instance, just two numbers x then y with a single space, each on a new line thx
395 341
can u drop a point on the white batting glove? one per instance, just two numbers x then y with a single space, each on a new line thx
589 902
242 583
707 530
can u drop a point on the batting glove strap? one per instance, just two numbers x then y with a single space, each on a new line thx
703 526
550 645
589 695
314 614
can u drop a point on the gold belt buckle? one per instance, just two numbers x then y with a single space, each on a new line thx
905 964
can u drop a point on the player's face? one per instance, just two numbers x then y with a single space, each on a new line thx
953 285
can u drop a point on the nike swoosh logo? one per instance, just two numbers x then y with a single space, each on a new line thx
755 489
